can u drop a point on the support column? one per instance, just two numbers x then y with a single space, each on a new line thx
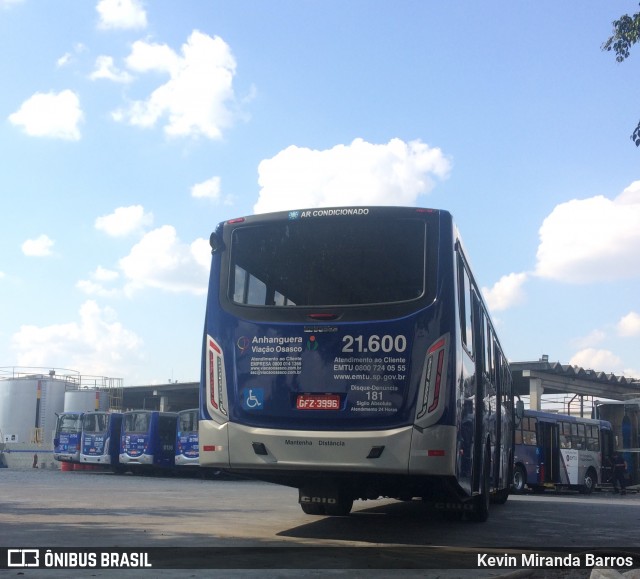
164 403
535 393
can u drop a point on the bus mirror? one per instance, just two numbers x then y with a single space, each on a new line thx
216 242
519 411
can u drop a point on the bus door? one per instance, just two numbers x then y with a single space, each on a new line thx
550 459
166 450
606 464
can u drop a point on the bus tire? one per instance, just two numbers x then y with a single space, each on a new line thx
589 482
340 509
312 508
519 479
500 497
480 513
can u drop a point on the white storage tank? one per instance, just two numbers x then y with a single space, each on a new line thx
28 407
86 400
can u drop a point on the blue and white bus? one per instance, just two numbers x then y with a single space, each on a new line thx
561 451
187 453
101 438
348 353
148 440
67 437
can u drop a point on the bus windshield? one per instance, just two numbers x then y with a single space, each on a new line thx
95 422
324 263
188 421
136 422
70 423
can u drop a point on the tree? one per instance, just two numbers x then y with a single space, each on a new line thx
626 33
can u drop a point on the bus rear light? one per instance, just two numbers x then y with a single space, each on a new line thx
435 452
211 448
216 382
434 377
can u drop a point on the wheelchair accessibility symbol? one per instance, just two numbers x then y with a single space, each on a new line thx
253 399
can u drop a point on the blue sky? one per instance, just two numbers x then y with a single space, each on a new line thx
131 128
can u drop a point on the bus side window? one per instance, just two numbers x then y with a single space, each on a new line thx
464 298
529 431
593 440
565 435
581 438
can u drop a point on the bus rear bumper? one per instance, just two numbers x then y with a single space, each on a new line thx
397 451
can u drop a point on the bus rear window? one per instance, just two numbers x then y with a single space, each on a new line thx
328 263
136 422
95 422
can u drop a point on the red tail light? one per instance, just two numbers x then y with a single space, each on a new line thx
215 376
434 376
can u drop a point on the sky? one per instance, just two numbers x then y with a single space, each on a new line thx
131 128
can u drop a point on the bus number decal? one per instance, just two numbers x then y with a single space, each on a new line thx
360 345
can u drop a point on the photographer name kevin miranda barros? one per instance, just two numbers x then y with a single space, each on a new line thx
549 561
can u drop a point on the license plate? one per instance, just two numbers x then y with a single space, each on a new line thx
318 402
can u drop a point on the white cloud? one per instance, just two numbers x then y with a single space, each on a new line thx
55 115
195 99
106 69
629 325
598 360
63 60
97 344
96 284
38 247
209 189
591 339
9 3
594 239
124 220
68 57
360 173
160 260
121 14
506 292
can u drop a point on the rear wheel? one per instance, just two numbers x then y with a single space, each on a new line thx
312 508
519 479
339 509
483 500
589 482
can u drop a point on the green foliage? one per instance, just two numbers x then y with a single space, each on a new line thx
626 32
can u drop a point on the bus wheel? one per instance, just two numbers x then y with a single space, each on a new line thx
519 479
589 482
312 508
340 509
480 513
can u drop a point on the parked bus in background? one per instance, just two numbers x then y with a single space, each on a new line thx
67 437
187 438
348 353
101 438
148 440
557 450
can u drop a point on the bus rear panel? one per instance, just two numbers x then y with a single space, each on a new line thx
187 453
67 437
101 438
333 359
148 439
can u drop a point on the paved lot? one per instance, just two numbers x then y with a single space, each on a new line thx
50 508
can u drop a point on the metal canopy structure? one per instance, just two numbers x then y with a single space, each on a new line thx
534 378
166 397
529 379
